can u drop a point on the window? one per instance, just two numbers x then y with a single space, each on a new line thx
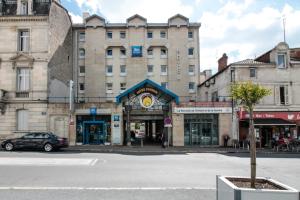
123 70
214 96
149 34
190 35
24 7
81 53
252 72
163 52
82 36
81 70
191 70
109 52
22 120
122 87
109 34
23 79
150 52
122 34
281 61
109 70
150 69
191 87
164 70
24 40
163 34
123 52
109 88
164 84
81 86
191 51
232 76
283 95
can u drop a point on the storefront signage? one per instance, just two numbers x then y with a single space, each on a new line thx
147 100
292 116
116 118
148 90
203 110
137 51
93 111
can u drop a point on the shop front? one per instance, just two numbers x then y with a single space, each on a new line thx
205 124
270 126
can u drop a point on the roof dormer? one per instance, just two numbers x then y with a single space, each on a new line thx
178 20
136 21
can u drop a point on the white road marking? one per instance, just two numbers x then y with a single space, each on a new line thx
106 188
47 161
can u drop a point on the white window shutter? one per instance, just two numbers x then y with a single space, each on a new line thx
286 95
277 94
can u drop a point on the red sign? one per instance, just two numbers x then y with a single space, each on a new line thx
291 116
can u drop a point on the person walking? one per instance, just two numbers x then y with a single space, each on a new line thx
226 138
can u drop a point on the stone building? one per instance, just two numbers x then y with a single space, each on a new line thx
35 65
116 63
277 115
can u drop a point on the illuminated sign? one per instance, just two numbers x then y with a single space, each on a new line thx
147 100
137 51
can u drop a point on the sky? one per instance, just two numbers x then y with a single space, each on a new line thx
242 29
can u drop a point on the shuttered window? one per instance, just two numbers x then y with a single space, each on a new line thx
22 120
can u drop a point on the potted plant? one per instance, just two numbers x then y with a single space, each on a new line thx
248 95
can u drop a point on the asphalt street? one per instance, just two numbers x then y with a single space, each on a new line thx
66 175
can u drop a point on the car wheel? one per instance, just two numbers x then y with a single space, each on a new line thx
48 147
9 146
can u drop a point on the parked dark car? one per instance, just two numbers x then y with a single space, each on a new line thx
45 141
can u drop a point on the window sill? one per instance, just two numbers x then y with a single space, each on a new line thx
163 57
149 56
81 74
109 57
109 75
164 74
109 92
192 91
191 56
192 74
81 91
123 74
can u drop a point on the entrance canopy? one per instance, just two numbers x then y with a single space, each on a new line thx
148 93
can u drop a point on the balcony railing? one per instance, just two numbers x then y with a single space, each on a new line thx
22 94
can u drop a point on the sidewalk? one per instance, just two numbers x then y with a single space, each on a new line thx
170 150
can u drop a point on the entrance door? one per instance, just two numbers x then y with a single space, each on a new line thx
94 133
201 134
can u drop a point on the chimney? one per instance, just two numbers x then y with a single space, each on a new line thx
85 15
222 62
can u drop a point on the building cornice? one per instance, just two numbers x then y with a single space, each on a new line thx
24 18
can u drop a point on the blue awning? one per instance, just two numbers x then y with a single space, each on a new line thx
147 82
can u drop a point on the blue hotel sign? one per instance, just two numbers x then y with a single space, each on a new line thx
137 51
93 111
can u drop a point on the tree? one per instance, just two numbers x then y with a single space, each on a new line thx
248 95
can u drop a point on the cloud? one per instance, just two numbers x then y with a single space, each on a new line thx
120 10
75 18
242 32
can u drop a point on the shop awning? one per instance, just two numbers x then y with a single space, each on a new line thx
272 122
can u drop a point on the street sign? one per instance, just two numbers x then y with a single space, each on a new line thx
168 122
93 111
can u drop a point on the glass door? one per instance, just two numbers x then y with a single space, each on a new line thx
195 134
94 133
206 136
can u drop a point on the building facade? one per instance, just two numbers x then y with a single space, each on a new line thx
113 58
276 115
35 64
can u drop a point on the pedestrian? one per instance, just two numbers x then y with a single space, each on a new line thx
226 138
163 141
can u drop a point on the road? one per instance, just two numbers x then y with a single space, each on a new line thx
67 175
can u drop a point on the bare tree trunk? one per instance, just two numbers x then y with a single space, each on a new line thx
252 148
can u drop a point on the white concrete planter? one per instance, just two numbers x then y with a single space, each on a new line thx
226 190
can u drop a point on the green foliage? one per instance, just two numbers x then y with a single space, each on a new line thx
248 94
